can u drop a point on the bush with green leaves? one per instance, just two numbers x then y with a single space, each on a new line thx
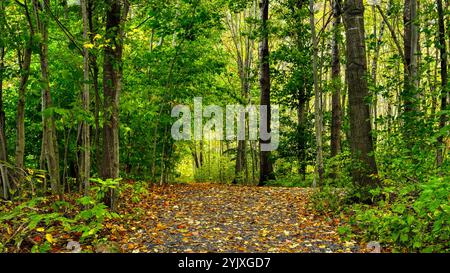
328 200
90 220
85 217
137 189
337 170
414 218
292 180
101 187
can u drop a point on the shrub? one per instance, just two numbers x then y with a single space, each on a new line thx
417 219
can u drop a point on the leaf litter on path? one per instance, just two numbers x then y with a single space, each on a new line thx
207 217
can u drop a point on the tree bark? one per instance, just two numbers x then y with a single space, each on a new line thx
112 77
302 131
85 165
116 13
375 64
336 109
361 143
49 137
317 97
444 81
3 141
93 20
24 65
409 94
266 169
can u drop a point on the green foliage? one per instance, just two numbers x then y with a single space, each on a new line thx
328 200
291 180
41 248
414 218
138 189
84 220
90 221
338 170
102 187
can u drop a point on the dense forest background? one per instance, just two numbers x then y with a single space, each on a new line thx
87 88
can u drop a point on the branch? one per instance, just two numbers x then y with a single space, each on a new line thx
394 36
20 4
143 22
63 28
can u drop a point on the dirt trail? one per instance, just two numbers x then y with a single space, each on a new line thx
223 218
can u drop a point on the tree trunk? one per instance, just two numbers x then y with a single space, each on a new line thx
375 64
85 165
201 153
154 146
24 74
317 97
444 81
266 170
240 161
244 45
194 155
409 96
95 74
336 111
356 72
301 130
49 138
3 144
112 77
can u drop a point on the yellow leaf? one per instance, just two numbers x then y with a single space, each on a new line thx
88 46
160 226
294 246
40 229
49 238
97 36
264 232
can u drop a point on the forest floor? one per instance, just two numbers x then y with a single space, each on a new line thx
206 217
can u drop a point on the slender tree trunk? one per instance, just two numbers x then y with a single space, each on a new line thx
195 156
266 170
361 142
65 167
336 111
49 138
154 146
240 161
3 144
92 19
163 159
409 94
221 171
301 127
20 125
24 65
302 94
201 153
244 45
317 97
444 81
85 165
375 65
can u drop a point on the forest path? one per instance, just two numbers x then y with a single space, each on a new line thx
222 218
